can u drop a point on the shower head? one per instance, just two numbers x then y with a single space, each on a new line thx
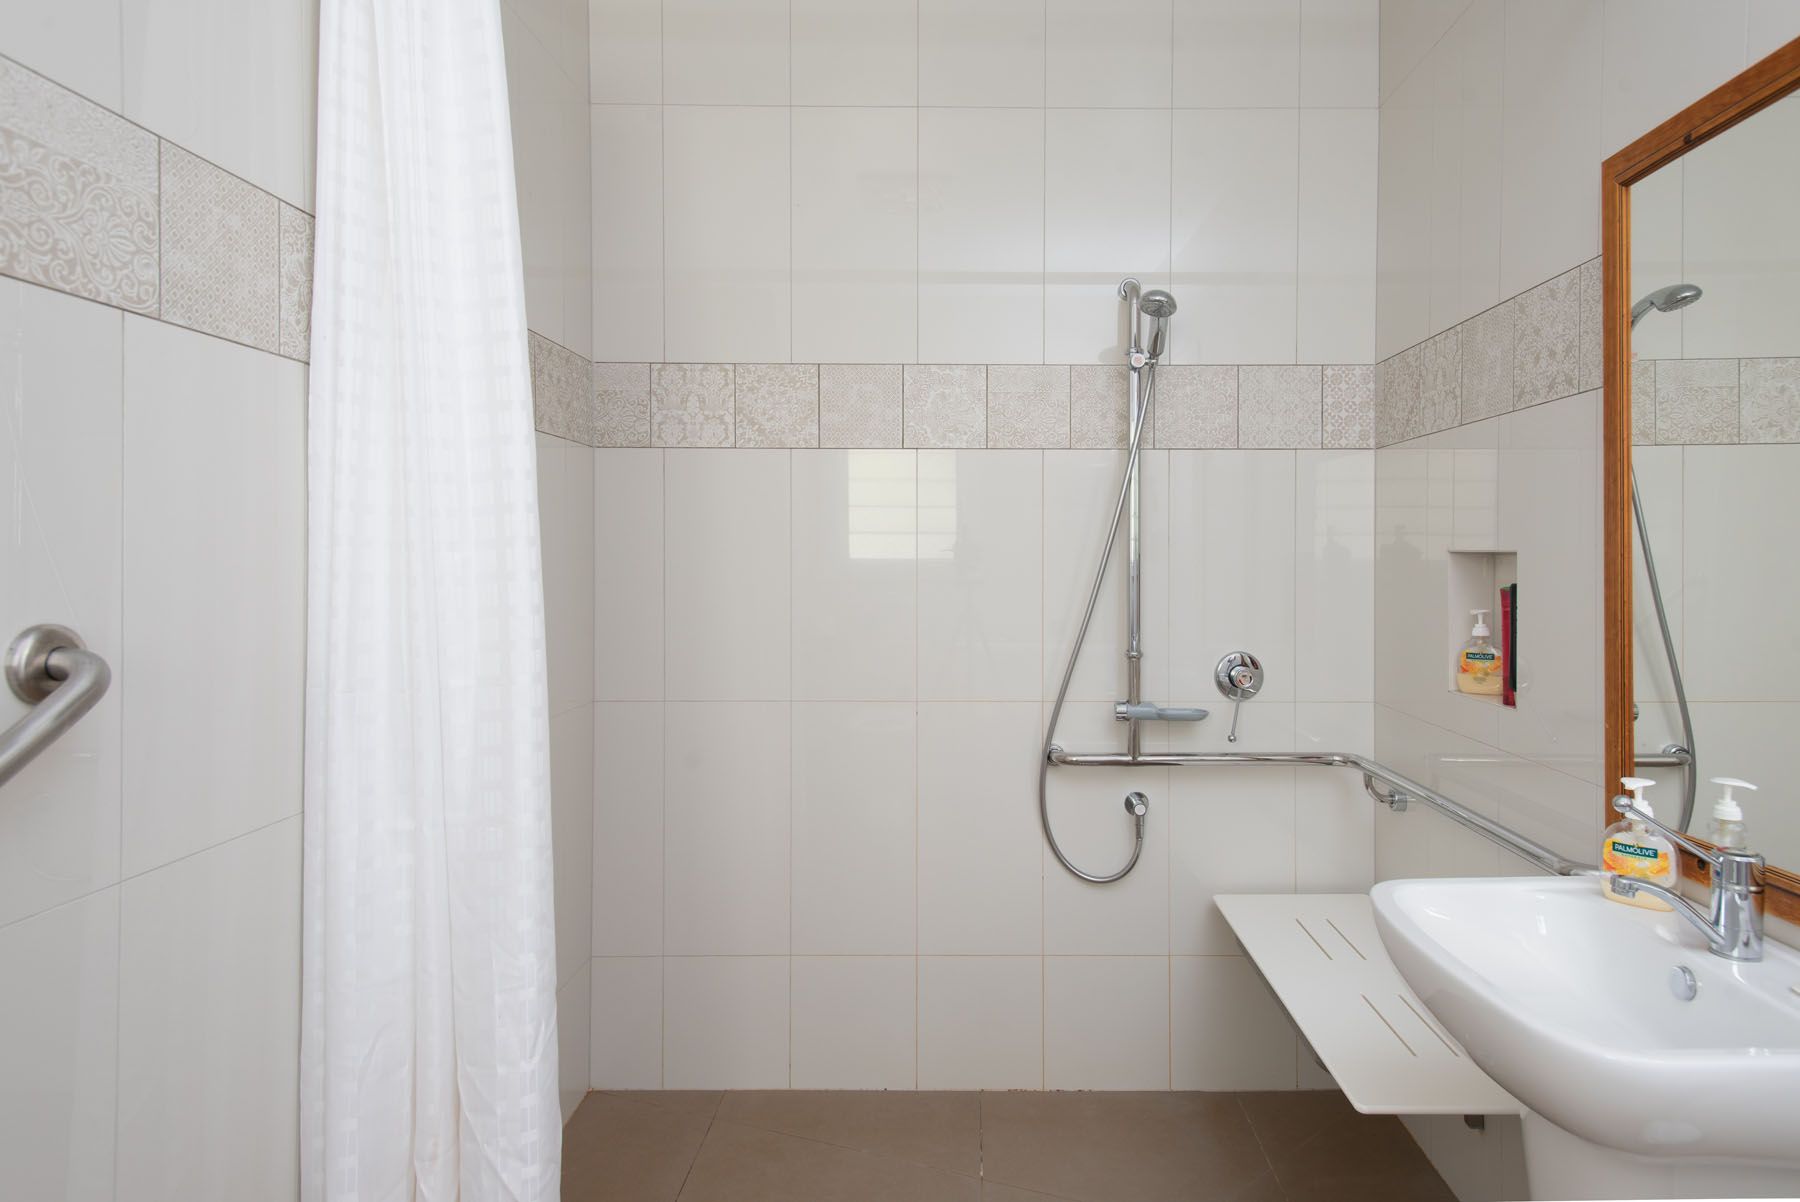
1158 306
1665 300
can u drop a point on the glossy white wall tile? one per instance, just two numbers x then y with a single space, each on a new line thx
981 1022
1661 54
726 221
628 232
853 570
980 574
572 762
980 872
209 1020
725 1022
60 538
233 83
628 846
854 1022
723 52
1233 234
1241 54
1339 52
625 51
855 51
77 44
214 556
1097 55
1096 229
726 829
628 575
981 235
855 231
726 574
1228 1032
1335 253
993 54
1106 1022
855 820
574 1026
626 1048
60 997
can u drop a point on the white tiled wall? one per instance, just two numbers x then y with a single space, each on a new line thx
1495 116
899 181
152 496
821 679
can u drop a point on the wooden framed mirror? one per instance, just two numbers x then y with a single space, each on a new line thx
1700 238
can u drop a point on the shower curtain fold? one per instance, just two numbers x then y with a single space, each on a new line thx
428 1043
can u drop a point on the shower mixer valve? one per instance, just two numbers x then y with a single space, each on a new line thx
1239 676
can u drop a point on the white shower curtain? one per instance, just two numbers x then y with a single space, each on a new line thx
428 1046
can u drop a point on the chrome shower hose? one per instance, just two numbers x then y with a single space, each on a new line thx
1062 692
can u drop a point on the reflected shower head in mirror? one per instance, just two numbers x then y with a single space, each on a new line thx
1665 300
1158 306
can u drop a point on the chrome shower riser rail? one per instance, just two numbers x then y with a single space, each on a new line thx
1399 790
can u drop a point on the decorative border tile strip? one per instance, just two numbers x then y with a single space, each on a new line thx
95 205
1020 406
1539 346
1689 402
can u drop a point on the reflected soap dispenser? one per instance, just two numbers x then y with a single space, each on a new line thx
1728 816
1478 667
1632 849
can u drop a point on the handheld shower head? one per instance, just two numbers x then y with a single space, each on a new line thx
1665 300
1158 306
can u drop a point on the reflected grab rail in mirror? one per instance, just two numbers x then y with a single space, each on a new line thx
1397 792
50 670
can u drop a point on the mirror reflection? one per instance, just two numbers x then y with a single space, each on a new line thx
1715 393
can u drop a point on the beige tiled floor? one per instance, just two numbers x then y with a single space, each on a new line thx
793 1146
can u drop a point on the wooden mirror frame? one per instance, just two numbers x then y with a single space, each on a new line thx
1754 89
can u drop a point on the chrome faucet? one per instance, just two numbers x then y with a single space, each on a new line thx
1733 921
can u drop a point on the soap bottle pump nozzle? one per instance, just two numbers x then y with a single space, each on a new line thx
1635 785
1481 630
1726 808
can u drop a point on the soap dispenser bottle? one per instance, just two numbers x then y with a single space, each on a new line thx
1632 849
1478 668
1728 816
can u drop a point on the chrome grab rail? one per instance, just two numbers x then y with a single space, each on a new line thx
1398 791
51 670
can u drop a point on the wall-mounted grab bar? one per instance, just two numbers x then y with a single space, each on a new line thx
1396 792
50 670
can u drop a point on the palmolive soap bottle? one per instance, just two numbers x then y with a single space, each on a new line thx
1478 667
1634 850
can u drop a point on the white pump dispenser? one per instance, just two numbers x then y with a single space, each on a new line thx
1728 816
1631 848
1478 667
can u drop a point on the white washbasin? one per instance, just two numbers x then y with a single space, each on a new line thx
1566 1000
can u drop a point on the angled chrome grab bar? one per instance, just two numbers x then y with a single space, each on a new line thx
1398 791
51 670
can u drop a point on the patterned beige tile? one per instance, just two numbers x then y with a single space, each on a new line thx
221 252
621 404
562 386
1349 405
1280 406
1593 320
78 194
859 405
1196 407
777 405
944 405
1643 402
1399 408
1547 341
1440 389
691 405
1100 407
1487 363
1769 400
1696 400
296 283
1027 406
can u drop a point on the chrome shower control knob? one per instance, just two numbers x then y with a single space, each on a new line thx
1239 675
1137 805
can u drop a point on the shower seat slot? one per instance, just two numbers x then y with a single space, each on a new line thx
1323 957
